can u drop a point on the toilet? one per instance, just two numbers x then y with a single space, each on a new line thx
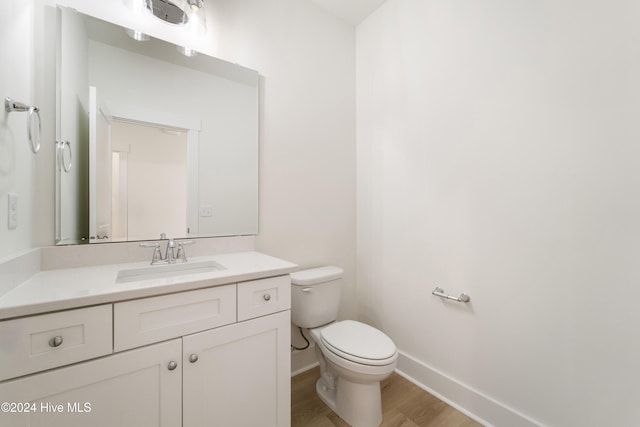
354 357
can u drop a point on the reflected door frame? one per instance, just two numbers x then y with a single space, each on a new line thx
192 125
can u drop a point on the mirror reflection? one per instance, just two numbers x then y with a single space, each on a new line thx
150 141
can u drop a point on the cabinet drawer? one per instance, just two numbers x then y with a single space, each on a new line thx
149 320
46 341
264 296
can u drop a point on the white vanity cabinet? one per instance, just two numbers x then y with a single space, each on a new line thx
205 357
239 375
149 320
129 389
35 343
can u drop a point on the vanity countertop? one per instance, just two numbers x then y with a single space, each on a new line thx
62 289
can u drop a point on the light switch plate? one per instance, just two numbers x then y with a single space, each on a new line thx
206 211
13 211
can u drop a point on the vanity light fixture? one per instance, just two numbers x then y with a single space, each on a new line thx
173 12
179 12
187 13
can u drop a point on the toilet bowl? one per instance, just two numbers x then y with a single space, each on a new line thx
357 358
353 356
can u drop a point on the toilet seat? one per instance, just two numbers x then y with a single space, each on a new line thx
359 343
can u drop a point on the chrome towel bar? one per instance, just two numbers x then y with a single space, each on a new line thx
439 292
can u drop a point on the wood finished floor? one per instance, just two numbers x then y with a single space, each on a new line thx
403 405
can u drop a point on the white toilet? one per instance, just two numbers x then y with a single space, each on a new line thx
354 357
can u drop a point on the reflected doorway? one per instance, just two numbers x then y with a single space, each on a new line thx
149 181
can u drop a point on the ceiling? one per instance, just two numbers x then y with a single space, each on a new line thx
350 11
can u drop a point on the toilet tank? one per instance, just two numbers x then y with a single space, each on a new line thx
315 296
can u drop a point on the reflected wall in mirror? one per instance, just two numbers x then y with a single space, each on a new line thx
139 151
157 142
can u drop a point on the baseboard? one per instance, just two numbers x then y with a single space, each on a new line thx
472 403
303 360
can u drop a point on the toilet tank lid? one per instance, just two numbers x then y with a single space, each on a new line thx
313 276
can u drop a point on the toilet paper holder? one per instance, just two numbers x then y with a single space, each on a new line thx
439 292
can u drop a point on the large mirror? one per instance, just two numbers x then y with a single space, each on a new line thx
150 141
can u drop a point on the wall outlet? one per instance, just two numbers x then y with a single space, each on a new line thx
206 211
13 211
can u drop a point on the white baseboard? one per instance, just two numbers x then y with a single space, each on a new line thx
303 360
472 403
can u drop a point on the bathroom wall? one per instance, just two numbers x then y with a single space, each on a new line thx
17 162
497 147
307 169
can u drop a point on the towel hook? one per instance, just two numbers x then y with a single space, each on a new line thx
34 127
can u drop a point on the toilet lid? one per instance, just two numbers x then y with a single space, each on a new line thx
358 342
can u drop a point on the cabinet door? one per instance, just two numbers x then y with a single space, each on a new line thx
241 376
129 389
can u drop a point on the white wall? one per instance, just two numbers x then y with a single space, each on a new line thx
307 158
17 162
498 156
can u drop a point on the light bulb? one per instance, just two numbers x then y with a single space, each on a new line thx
187 51
137 35
195 4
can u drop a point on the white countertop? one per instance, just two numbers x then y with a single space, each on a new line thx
62 289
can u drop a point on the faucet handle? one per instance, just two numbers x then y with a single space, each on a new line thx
157 255
181 255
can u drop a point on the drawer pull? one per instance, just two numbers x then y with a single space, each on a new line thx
55 341
267 297
193 358
172 365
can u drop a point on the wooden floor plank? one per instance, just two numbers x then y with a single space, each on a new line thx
403 405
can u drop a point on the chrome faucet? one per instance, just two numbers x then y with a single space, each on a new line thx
170 256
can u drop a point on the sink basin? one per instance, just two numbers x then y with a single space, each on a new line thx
167 270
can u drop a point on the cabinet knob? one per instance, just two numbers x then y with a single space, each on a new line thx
55 341
267 297
172 365
193 358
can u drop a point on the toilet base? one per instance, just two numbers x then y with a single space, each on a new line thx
357 404
327 395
